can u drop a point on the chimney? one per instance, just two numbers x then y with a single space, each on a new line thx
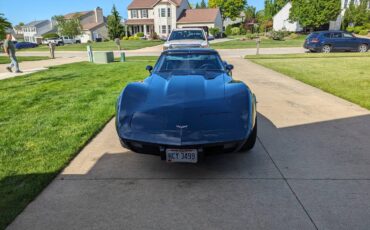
99 15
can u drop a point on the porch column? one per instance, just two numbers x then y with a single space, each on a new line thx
145 30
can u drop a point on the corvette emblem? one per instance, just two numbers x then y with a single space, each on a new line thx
181 126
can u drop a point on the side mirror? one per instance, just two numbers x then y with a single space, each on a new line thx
149 68
229 67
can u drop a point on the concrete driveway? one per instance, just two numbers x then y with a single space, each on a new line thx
310 169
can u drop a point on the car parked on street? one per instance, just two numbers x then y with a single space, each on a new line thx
24 45
60 41
186 38
188 107
328 41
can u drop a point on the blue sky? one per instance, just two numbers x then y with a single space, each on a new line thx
25 10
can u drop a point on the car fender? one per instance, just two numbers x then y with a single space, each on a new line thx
132 96
241 98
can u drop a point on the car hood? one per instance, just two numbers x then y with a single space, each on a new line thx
185 42
185 109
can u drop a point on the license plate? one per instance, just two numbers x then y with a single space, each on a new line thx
182 155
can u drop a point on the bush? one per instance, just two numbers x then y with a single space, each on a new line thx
50 35
367 25
214 31
140 35
228 30
277 35
363 32
293 36
350 29
125 38
242 31
357 29
133 38
235 31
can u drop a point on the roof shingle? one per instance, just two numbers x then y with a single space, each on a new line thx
147 4
198 15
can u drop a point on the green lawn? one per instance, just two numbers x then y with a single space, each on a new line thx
5 60
346 75
47 117
265 43
101 46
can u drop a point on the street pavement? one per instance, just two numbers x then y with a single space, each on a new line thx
308 170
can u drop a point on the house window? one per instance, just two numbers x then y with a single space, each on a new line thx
168 12
133 13
144 13
163 12
163 29
169 28
159 29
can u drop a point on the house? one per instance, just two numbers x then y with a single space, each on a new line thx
229 21
33 31
281 19
93 24
161 16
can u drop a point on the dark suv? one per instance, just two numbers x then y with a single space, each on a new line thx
327 41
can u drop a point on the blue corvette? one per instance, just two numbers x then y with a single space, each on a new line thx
188 107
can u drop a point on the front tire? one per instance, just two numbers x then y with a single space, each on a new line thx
326 49
363 48
251 141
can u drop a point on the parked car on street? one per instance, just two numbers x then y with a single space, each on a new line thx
186 38
328 41
24 45
61 41
56 41
188 107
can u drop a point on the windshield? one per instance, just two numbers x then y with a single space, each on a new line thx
187 35
189 62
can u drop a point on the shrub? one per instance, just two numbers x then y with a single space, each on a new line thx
228 30
125 38
235 31
363 32
214 31
242 31
277 35
357 29
367 25
133 38
140 35
50 35
350 29
293 36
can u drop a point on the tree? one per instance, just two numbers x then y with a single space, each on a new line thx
279 4
250 14
197 6
356 15
229 8
314 13
203 4
19 26
4 24
70 27
115 28
269 9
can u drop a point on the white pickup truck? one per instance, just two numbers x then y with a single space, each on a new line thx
61 41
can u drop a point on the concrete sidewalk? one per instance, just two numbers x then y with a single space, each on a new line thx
308 170
35 66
